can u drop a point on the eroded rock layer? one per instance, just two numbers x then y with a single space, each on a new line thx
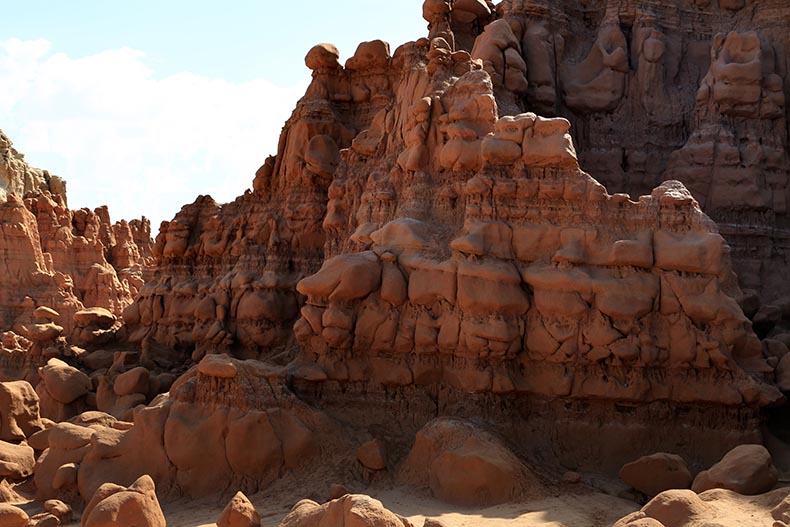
689 90
423 231
56 262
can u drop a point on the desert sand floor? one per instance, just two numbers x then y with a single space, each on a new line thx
582 508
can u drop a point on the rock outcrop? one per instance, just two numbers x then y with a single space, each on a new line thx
421 231
352 509
746 469
18 178
464 465
60 258
223 424
117 506
653 474
425 243
724 508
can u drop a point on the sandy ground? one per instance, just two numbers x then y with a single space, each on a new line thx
567 506
581 508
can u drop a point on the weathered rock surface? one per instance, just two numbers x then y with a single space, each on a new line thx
56 257
352 509
421 230
223 423
116 506
12 516
656 473
425 239
746 469
464 465
19 411
722 508
239 513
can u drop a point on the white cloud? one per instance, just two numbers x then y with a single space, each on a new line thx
141 145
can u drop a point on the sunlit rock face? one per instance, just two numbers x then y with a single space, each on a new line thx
428 222
59 258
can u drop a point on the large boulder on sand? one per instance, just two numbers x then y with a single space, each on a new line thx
116 506
746 469
656 473
239 512
465 465
355 510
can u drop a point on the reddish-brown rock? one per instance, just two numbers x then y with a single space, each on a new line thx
464 465
656 473
116 506
746 469
351 509
239 512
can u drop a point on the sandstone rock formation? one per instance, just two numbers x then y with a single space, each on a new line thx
352 509
117 506
239 513
656 473
18 178
60 258
425 244
465 465
223 424
724 508
688 90
746 469
421 231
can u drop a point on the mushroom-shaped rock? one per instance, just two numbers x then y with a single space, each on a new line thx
323 56
352 509
116 506
45 314
371 54
746 469
656 473
94 317
239 512
11 516
44 332
64 383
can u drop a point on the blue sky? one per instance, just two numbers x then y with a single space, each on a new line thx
144 105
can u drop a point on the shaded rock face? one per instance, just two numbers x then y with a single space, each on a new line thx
687 90
464 465
746 469
421 228
61 258
224 424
